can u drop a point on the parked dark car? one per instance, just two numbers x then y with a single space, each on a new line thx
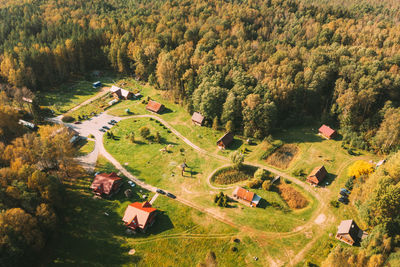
343 194
113 121
171 195
77 122
343 200
345 191
102 130
106 127
160 191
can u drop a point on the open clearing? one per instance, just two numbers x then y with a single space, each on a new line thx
282 157
273 232
183 230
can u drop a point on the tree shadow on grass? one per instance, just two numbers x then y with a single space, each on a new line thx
166 111
263 204
161 224
299 135
88 234
236 143
329 178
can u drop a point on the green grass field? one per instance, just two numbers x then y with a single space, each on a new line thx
86 146
176 115
162 170
180 235
69 95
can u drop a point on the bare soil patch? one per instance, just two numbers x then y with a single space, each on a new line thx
282 157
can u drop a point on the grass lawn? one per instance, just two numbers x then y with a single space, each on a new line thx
86 146
68 95
180 236
145 160
270 217
161 169
176 115
97 106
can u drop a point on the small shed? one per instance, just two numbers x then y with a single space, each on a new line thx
349 232
327 131
197 119
97 84
317 175
154 106
225 140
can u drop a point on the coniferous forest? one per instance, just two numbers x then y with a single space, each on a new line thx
261 65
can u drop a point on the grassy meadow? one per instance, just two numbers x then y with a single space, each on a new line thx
180 236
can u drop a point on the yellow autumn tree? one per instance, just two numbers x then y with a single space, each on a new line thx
360 168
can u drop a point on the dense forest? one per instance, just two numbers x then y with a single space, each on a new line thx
33 166
259 64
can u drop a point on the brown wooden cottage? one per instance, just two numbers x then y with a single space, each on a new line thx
139 216
154 106
317 175
225 140
197 119
349 232
327 131
120 93
106 184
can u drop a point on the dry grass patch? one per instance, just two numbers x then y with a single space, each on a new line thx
282 157
293 198
231 175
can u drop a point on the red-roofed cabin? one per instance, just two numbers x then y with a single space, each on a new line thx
317 175
154 106
105 184
246 196
327 131
139 216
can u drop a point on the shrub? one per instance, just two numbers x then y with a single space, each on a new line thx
91 136
262 174
299 172
221 199
144 132
215 125
68 119
254 183
157 137
293 198
131 137
266 185
237 159
334 203
229 126
360 168
350 183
